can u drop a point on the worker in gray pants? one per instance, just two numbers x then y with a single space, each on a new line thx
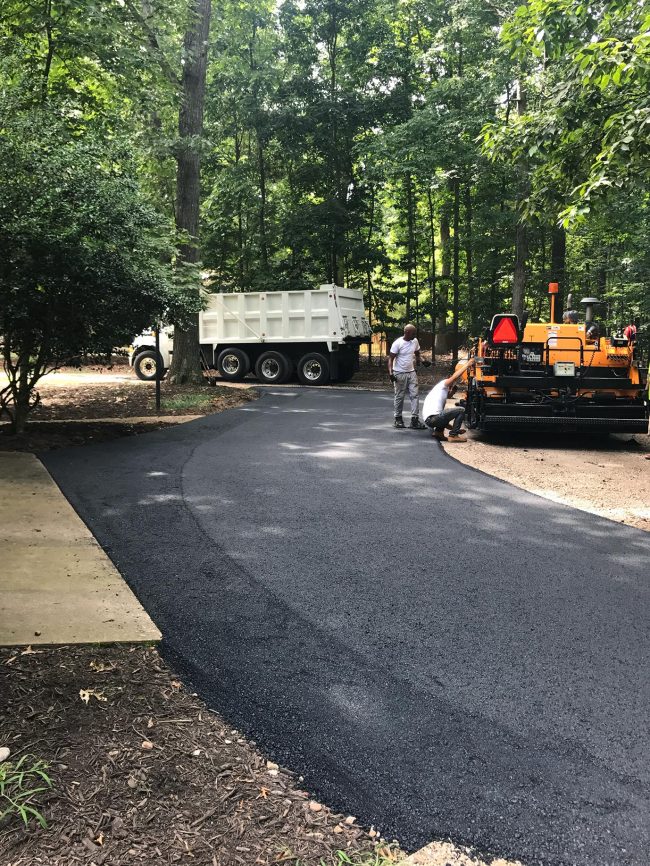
403 357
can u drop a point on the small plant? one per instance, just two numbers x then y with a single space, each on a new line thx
20 783
382 855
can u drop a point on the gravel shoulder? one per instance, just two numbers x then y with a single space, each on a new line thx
604 475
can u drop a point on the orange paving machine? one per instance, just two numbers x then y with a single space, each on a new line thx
555 375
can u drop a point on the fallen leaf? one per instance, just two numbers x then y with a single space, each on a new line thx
100 839
87 694
175 684
271 766
314 806
264 793
150 723
100 667
196 753
31 652
147 745
338 829
4 753
350 819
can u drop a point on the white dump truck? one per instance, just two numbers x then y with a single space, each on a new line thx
315 334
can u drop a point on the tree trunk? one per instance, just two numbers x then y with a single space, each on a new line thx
456 273
445 274
519 275
262 171
50 49
185 366
410 245
469 259
371 229
432 275
521 233
558 267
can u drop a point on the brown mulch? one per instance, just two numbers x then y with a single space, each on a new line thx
45 437
144 773
130 399
80 397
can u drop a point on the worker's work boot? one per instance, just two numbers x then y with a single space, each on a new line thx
456 438
399 423
416 424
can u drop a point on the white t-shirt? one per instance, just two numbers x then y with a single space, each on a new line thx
404 350
434 402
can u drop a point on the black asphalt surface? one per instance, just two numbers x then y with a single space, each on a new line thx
436 652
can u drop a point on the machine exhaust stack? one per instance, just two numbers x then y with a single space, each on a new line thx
553 289
589 304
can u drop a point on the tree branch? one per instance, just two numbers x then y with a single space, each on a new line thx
165 65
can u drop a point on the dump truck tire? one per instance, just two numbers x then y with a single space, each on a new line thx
313 369
273 368
145 365
233 364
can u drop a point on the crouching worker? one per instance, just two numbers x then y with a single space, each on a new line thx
436 417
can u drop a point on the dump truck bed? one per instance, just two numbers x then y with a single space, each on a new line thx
330 314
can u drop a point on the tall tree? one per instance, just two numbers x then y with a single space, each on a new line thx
185 366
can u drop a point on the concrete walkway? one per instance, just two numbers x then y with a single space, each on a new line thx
56 584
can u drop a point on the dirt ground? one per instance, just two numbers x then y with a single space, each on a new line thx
143 773
605 475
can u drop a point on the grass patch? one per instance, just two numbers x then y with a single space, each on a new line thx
198 399
20 785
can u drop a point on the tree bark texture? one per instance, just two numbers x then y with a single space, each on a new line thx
520 270
185 366
521 233
445 275
456 272
432 274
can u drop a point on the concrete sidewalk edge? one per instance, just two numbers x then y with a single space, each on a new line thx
58 585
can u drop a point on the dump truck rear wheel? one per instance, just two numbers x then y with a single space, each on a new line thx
233 364
272 368
313 369
145 365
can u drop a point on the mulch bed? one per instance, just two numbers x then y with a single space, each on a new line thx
144 773
46 437
123 399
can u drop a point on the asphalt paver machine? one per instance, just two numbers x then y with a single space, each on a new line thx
555 375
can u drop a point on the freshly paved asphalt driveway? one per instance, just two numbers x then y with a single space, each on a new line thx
435 651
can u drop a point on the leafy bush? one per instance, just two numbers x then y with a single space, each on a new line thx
86 261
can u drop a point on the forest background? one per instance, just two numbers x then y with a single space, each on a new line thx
447 158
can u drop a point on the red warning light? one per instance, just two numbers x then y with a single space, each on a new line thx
505 331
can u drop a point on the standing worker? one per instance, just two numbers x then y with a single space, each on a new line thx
436 417
403 357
